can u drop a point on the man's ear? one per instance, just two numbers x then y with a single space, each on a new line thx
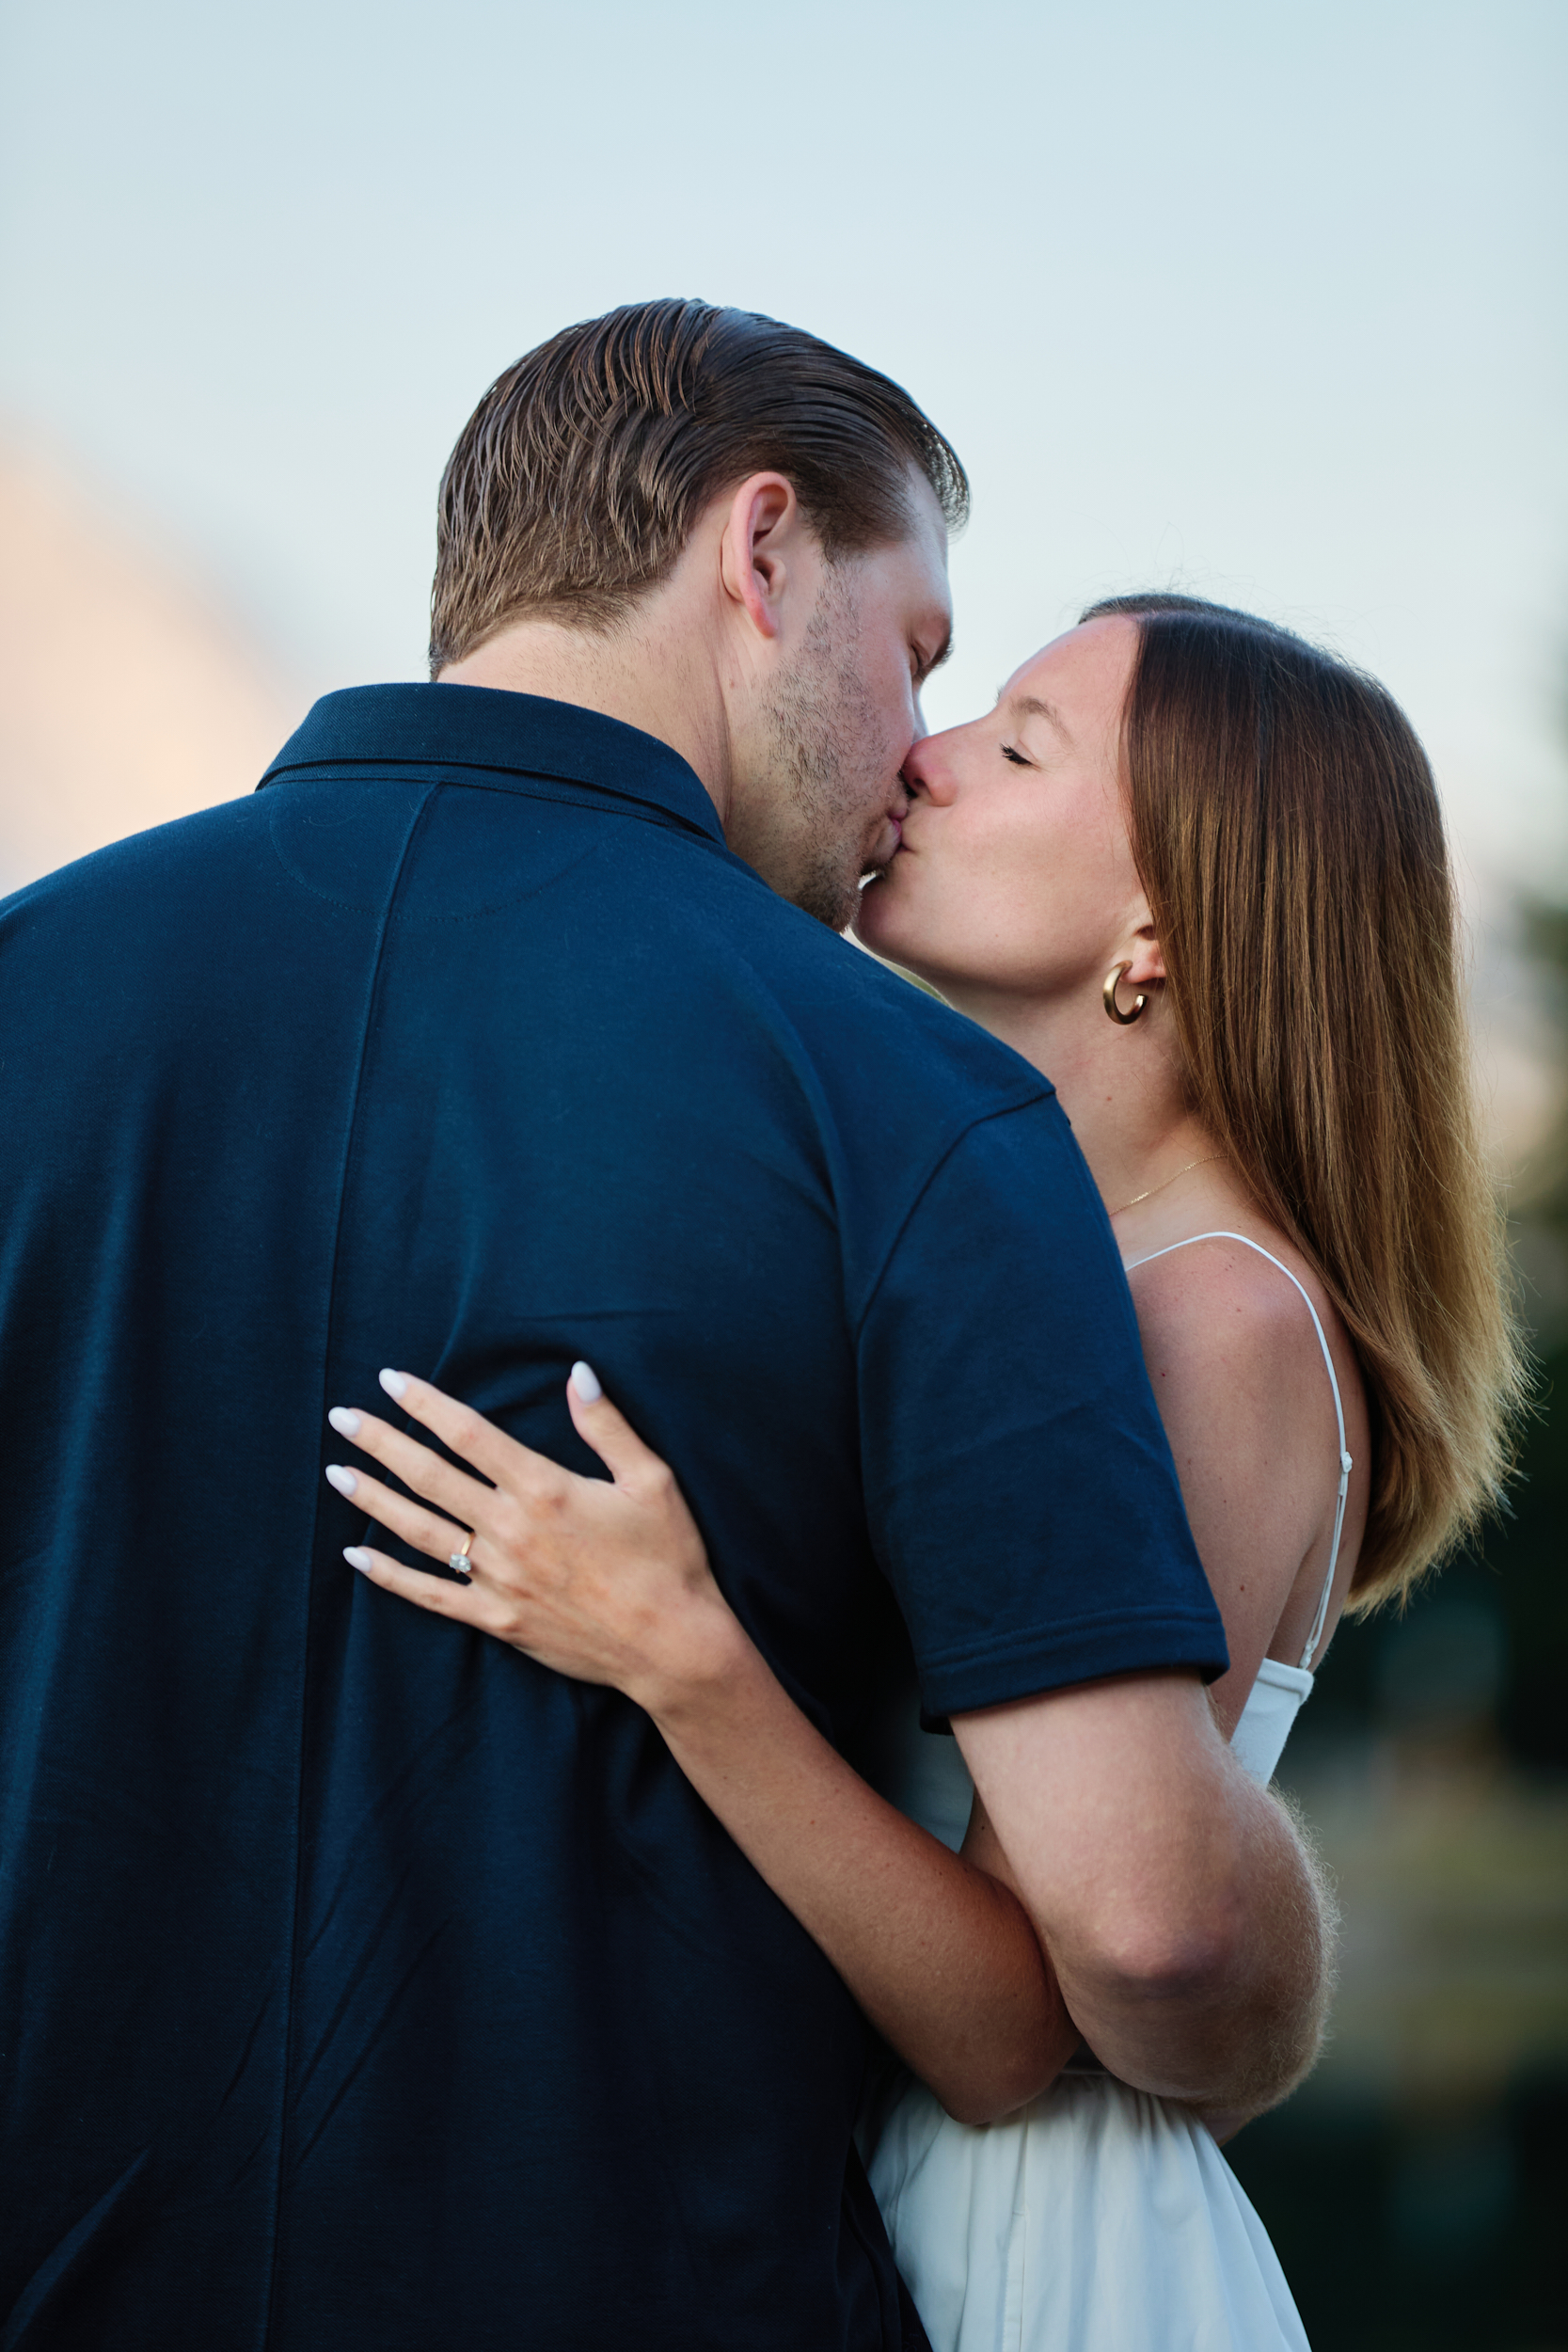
759 544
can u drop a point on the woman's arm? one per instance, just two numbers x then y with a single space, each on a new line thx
609 1583
1179 1907
939 1953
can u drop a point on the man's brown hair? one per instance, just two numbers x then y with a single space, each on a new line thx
576 482
1287 829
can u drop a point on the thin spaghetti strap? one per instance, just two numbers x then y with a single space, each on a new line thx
1346 1466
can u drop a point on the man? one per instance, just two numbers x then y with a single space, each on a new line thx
364 1983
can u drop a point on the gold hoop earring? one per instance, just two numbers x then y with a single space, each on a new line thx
1122 1020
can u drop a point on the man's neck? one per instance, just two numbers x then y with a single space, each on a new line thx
651 675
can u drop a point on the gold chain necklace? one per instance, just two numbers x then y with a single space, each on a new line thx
1169 1179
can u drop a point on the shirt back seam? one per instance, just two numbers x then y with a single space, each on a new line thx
274 2231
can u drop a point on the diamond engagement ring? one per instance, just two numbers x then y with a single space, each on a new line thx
460 1561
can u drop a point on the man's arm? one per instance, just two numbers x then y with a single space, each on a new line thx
1178 1909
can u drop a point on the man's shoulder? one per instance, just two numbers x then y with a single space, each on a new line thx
138 889
850 1013
135 860
856 1006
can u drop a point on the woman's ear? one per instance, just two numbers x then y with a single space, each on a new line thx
755 549
1146 963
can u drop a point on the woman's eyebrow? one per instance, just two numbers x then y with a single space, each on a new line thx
1032 706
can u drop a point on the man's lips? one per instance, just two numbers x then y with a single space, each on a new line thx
881 851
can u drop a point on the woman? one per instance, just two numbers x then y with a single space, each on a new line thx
1195 869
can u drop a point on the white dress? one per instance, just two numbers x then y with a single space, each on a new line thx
1096 2218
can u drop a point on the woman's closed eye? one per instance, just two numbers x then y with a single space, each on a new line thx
1010 753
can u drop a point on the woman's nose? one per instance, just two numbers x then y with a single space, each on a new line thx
927 773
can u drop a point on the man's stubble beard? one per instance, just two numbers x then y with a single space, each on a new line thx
826 764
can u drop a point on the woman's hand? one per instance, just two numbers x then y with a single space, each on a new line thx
608 1582
605 1581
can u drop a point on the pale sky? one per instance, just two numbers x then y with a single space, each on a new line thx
1263 300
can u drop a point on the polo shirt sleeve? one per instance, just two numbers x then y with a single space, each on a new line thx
1022 1496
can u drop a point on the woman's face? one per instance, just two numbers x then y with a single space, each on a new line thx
1015 874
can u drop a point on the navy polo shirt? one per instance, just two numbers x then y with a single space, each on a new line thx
362 1982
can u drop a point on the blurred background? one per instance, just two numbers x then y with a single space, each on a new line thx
1262 301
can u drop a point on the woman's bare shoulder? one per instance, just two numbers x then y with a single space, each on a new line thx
1238 1374
1219 1306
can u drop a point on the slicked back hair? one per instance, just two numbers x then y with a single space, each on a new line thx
576 482
1287 832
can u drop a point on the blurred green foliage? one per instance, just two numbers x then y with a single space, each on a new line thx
1529 1551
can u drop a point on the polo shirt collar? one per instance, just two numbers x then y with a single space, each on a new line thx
507 735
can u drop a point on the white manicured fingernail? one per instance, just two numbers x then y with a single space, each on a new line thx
586 1382
357 1557
342 1479
395 1383
344 1420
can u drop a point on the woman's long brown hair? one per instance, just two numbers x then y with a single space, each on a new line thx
1287 832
